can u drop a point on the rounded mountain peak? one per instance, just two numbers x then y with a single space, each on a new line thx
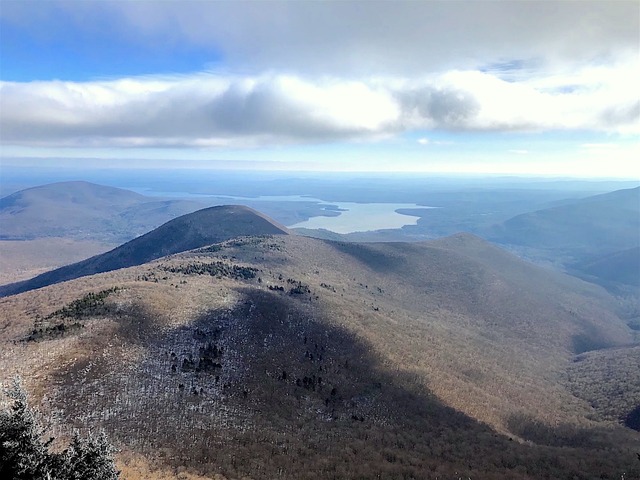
222 222
187 232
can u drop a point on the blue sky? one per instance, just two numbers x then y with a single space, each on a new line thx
545 88
59 48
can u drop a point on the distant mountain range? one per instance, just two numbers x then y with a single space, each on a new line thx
596 237
249 352
85 211
603 222
613 270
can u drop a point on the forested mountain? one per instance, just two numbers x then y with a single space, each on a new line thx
284 356
591 237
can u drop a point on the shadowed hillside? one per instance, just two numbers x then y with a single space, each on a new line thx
591 237
204 227
610 221
608 380
291 357
613 270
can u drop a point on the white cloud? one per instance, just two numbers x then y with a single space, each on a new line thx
201 110
365 37
349 70
206 110
359 38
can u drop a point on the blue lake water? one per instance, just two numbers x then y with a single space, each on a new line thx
363 217
352 216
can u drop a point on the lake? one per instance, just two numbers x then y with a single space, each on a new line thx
352 216
363 217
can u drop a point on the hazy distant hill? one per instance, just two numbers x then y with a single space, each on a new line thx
603 228
603 222
291 357
615 268
84 211
198 229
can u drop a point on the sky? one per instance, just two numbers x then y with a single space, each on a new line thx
480 87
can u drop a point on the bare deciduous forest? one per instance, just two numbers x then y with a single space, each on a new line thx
290 357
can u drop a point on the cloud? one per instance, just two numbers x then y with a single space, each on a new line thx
308 72
404 37
359 38
201 110
434 105
622 115
207 110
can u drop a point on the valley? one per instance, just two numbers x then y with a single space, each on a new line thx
24 259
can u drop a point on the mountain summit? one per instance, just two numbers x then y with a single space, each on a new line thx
194 230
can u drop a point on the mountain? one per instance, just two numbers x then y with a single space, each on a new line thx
610 221
603 228
198 229
621 267
281 356
84 211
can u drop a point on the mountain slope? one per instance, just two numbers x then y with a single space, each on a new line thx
603 222
294 357
574 234
621 267
86 211
198 229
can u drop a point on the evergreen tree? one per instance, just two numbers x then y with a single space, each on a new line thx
88 458
25 456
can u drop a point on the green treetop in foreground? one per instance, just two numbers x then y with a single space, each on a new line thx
24 455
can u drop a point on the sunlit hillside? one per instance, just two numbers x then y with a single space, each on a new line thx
290 356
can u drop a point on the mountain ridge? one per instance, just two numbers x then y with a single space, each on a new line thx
606 221
288 352
198 229
590 238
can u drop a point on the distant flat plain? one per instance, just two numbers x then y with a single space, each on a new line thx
23 259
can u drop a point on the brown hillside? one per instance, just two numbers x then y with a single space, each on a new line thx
284 356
